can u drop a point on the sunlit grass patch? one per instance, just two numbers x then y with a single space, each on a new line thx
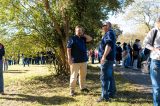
39 87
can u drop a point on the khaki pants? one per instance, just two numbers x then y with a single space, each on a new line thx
76 68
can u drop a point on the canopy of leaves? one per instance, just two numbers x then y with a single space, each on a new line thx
33 25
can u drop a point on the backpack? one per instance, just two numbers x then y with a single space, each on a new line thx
145 65
135 50
147 51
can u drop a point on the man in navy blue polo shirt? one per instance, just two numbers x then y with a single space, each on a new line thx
2 53
77 59
107 54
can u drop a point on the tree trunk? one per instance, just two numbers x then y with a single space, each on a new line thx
62 64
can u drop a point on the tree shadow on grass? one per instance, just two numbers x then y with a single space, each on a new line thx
15 72
93 74
127 95
133 97
136 77
51 81
130 96
54 100
18 70
93 68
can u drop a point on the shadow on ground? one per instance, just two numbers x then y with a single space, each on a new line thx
60 81
93 81
16 71
51 81
125 95
135 76
133 97
54 100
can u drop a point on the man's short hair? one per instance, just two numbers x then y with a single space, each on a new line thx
137 40
78 26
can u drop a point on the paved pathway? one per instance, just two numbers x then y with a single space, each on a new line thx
140 80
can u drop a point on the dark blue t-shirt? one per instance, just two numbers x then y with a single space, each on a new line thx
108 39
78 49
2 52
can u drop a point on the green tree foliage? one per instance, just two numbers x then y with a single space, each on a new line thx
51 22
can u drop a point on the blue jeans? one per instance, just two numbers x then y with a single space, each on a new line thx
155 78
1 77
129 60
125 63
92 60
107 80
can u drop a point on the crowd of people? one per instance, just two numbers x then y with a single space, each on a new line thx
108 51
40 59
92 55
129 55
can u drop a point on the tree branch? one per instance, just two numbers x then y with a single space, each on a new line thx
48 10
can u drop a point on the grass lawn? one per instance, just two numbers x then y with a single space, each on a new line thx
36 86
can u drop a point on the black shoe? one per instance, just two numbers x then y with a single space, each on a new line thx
111 96
103 100
2 93
85 90
72 93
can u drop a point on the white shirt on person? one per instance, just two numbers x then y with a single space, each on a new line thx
148 42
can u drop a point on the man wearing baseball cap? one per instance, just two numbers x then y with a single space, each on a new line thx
107 54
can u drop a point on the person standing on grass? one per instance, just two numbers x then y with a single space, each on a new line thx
155 60
5 64
107 55
135 54
125 56
77 59
93 56
130 52
118 53
2 53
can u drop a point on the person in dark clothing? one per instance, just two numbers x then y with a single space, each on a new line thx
2 53
131 53
125 55
93 56
23 60
118 52
107 55
26 60
77 59
135 54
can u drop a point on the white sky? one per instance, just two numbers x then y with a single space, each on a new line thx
128 26
124 25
